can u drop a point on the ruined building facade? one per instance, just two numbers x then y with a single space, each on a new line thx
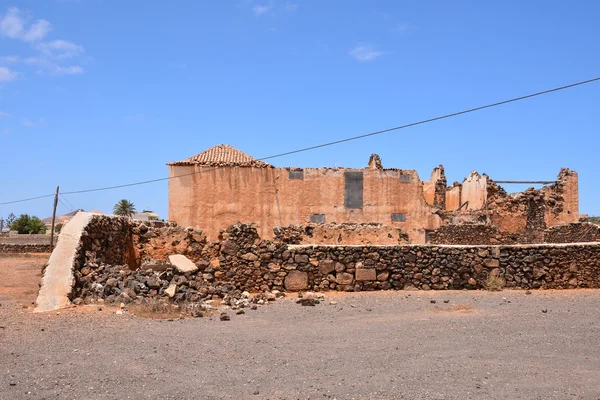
222 186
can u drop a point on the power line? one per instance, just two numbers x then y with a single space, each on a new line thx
71 206
333 142
31 198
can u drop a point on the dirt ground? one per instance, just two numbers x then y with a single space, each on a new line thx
383 345
20 276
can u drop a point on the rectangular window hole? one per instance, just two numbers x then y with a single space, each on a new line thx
398 217
317 218
404 178
353 189
297 174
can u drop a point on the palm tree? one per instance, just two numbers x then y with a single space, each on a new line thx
124 208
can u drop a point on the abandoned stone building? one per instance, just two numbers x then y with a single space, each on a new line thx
222 186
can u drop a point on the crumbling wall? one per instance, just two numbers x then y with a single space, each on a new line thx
474 191
154 241
573 233
340 234
473 234
212 199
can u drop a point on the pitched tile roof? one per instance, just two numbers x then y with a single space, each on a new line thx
223 155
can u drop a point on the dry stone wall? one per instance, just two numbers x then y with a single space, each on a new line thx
242 261
573 233
487 233
24 248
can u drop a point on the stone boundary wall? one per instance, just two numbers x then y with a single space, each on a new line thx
26 239
108 255
488 234
24 248
576 232
473 234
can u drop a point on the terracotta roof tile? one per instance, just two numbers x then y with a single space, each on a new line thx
223 155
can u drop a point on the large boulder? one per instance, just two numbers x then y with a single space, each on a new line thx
295 281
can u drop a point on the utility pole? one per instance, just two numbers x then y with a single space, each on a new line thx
53 219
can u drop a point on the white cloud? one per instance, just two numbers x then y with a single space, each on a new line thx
7 75
4 114
38 31
72 70
52 55
4 132
261 9
50 66
13 26
60 49
365 52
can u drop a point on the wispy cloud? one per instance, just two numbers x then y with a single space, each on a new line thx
34 124
259 10
4 114
60 49
9 59
13 25
55 57
291 7
272 7
365 52
4 132
6 75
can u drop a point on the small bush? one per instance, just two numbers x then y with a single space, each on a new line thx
494 283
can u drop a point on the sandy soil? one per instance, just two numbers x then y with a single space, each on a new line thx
383 345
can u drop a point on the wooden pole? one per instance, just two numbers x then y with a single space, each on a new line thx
53 220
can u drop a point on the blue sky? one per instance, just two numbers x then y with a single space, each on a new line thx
97 93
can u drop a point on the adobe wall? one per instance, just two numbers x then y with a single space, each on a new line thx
214 198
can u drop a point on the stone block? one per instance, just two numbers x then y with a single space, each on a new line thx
295 281
182 263
249 257
491 263
366 274
326 266
344 278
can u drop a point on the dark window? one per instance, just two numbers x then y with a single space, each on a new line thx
317 218
404 178
353 189
398 217
296 174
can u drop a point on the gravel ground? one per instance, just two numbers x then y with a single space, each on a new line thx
384 345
